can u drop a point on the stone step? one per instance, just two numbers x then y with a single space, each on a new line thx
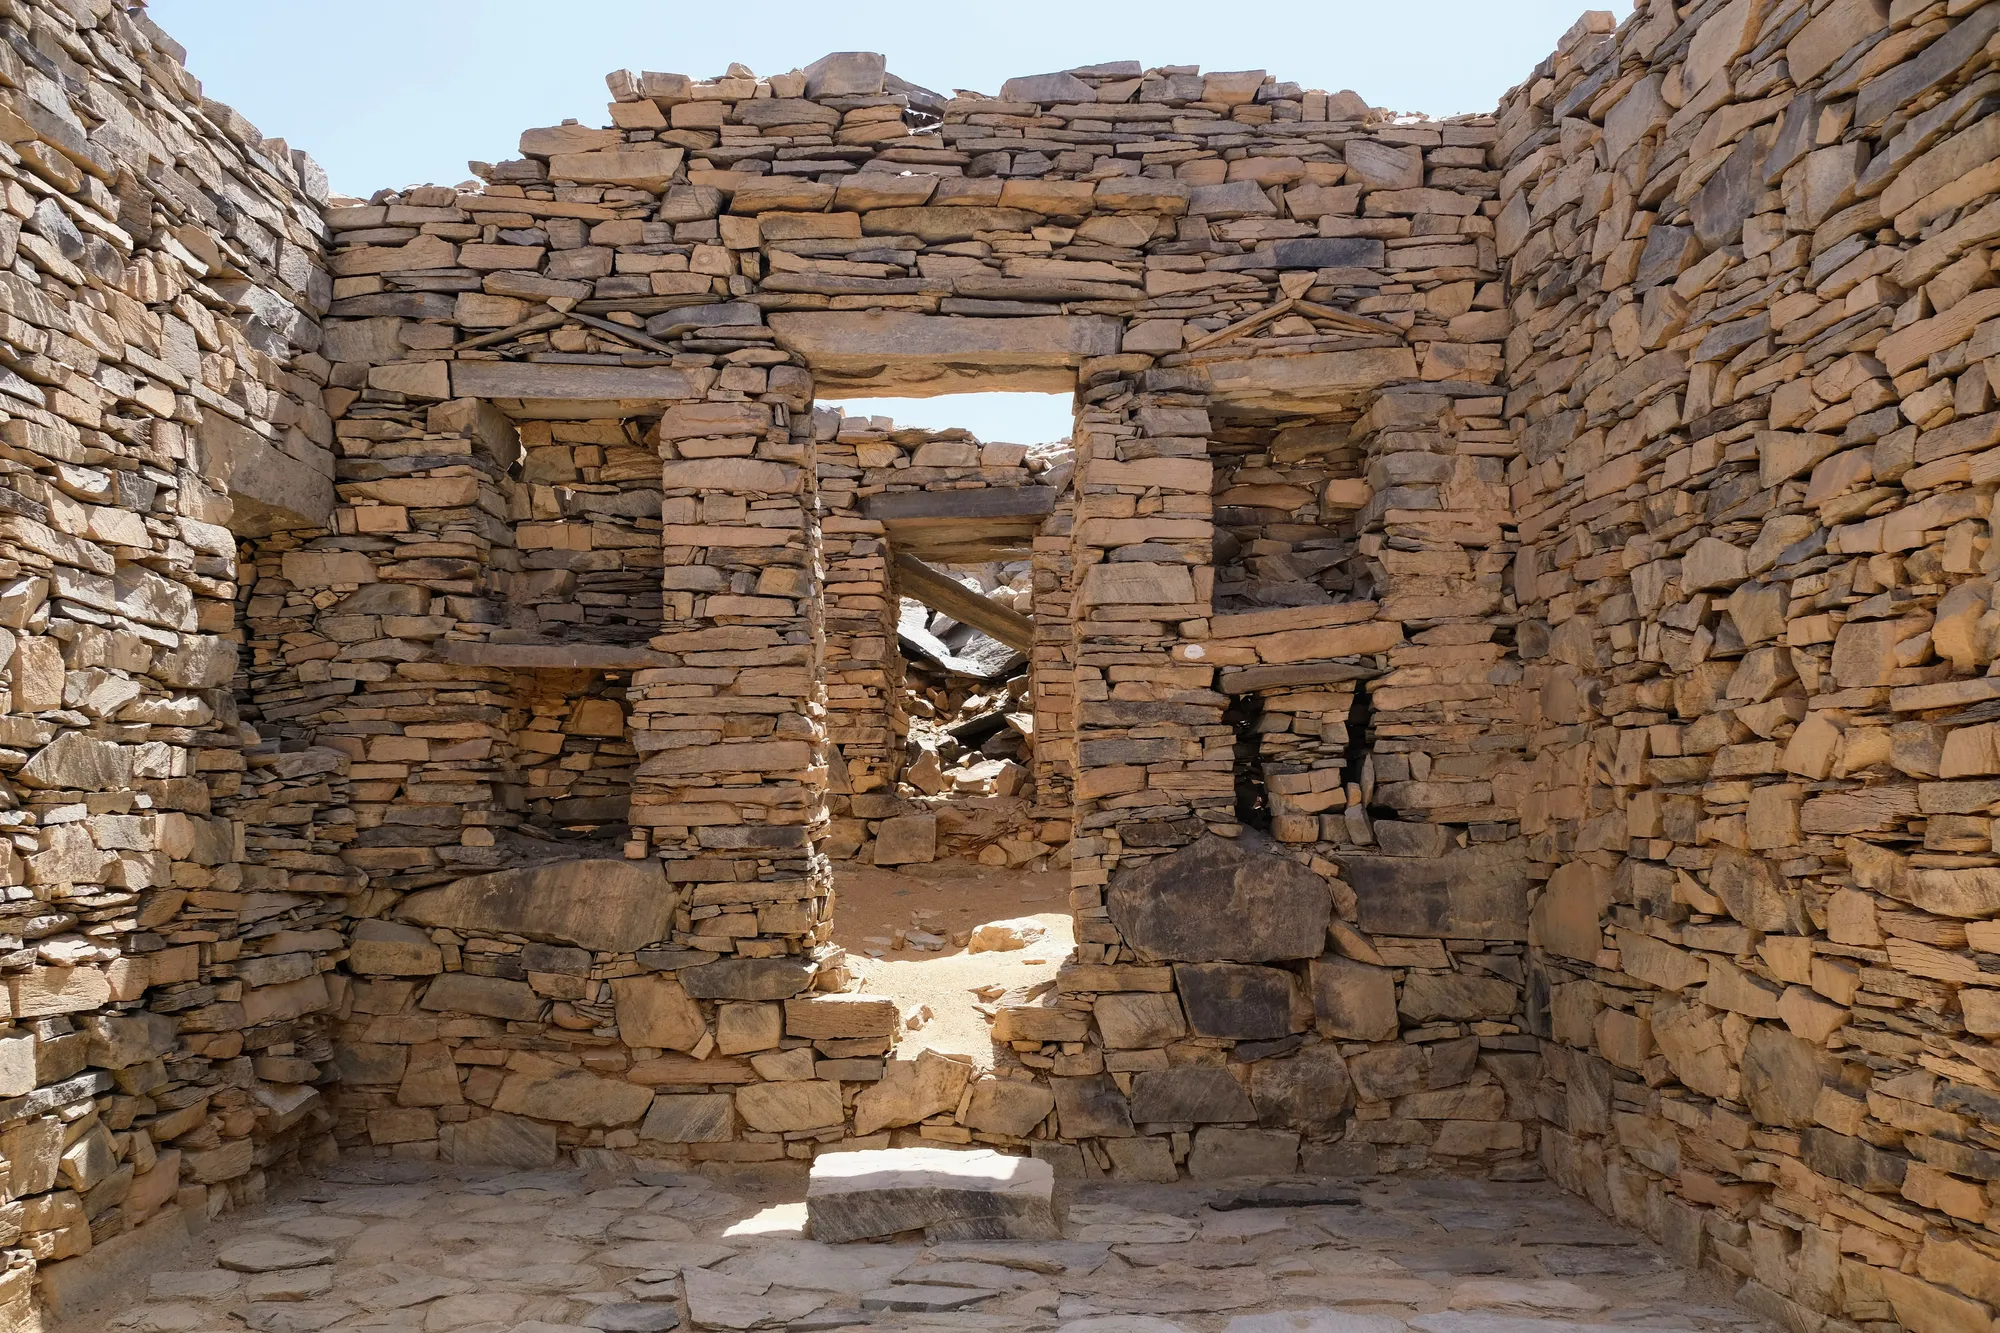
945 1193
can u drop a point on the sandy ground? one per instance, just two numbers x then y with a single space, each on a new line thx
948 899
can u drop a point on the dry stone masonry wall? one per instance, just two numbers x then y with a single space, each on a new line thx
1508 650
1226 268
1748 252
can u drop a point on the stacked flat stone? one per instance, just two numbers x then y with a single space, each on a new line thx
163 1039
1567 526
1262 249
1748 253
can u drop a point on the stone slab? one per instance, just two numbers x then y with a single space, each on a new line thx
1221 900
976 1195
614 906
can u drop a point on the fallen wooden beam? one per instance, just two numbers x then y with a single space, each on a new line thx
941 592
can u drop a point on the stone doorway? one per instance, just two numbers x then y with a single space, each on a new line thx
950 884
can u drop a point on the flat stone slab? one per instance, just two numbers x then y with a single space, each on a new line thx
265 1254
1314 1321
633 1317
949 1195
923 1297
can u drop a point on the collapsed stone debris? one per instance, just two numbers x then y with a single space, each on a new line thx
1507 645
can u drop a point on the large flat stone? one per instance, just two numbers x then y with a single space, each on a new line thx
1236 1000
269 490
749 978
1474 893
1308 1091
1307 381
915 355
1191 1092
1223 1153
1221 900
575 1097
113 1267
948 1195
605 904
499 1140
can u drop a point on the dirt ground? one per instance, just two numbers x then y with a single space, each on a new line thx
949 899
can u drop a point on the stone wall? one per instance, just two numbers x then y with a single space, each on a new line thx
1748 252
165 1043
1227 269
1509 658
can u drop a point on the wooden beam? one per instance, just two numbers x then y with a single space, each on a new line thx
941 592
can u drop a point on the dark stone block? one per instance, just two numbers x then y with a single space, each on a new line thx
1475 893
1726 201
749 978
1203 1095
1220 899
613 906
1236 1000
1091 1107
1856 1162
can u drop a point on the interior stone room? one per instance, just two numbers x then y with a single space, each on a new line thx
1472 766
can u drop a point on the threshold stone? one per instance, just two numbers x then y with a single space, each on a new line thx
945 1193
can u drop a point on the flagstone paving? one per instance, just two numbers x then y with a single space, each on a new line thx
401 1248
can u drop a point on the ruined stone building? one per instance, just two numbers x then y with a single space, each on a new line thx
1511 656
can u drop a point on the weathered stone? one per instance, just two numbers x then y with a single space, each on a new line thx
1237 1001
1007 1106
911 1090
1233 1154
1220 899
655 1011
610 905
499 1140
973 1195
1353 1000
1203 1095
1478 892
573 1096
1138 1020
495 997
1308 1091
1090 1107
777 1108
389 948
690 1118
749 978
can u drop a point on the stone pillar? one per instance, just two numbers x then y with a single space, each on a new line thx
1052 671
864 669
418 560
1438 538
731 784
1153 757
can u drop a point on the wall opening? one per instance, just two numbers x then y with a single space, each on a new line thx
951 887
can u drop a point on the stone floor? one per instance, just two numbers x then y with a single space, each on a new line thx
394 1248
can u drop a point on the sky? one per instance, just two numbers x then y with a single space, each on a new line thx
389 93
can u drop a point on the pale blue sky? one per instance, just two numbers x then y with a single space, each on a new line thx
404 92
